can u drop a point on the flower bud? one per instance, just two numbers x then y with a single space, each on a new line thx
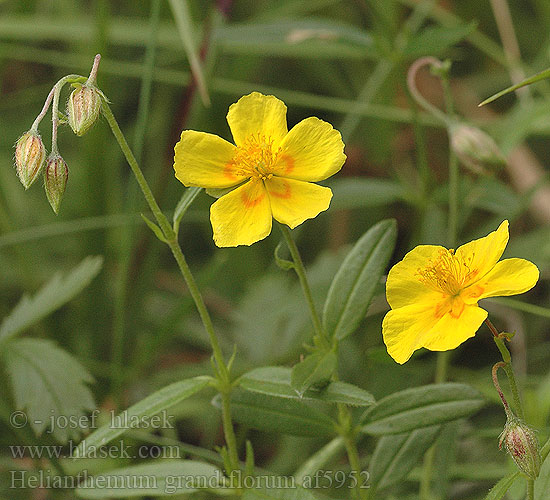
521 443
55 180
475 149
30 155
83 108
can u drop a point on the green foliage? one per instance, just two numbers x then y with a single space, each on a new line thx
396 454
153 404
420 407
275 381
159 479
314 371
49 384
57 292
274 414
354 285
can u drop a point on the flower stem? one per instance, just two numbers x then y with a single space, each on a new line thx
222 371
345 427
507 367
301 272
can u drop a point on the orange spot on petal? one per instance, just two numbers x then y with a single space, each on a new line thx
285 194
287 162
249 202
457 306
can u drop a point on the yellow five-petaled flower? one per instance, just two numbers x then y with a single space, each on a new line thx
433 292
271 169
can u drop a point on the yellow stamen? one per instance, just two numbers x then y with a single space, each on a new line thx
448 273
256 157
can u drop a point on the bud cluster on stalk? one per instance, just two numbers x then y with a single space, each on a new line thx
83 109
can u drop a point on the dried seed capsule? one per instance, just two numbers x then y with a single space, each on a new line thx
475 149
55 180
521 443
30 155
83 108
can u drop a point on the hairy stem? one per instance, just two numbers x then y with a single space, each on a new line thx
222 374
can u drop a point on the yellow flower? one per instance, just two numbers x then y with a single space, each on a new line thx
271 169
433 292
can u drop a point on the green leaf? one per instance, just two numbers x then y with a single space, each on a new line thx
543 75
395 455
499 490
293 492
362 192
436 40
188 197
129 419
542 483
162 478
355 282
283 264
184 24
319 459
421 407
48 383
275 381
153 227
274 414
313 372
301 38
57 292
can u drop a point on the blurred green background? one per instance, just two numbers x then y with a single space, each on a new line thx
135 328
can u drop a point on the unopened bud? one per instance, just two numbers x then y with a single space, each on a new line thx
83 108
521 443
30 155
475 149
55 180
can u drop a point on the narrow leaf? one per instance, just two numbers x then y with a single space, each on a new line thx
188 197
162 478
363 192
543 75
161 400
499 490
272 414
354 285
313 372
153 227
275 381
421 407
437 39
49 384
318 460
57 292
395 455
184 24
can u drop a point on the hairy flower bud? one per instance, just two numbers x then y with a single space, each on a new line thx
55 180
83 108
475 149
30 155
521 443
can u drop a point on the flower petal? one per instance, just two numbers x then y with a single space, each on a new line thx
481 255
255 114
292 202
204 160
409 328
312 151
508 277
404 285
242 216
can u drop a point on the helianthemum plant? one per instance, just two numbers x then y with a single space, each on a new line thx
270 171
434 292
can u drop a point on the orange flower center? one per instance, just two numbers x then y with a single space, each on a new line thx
448 273
256 158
